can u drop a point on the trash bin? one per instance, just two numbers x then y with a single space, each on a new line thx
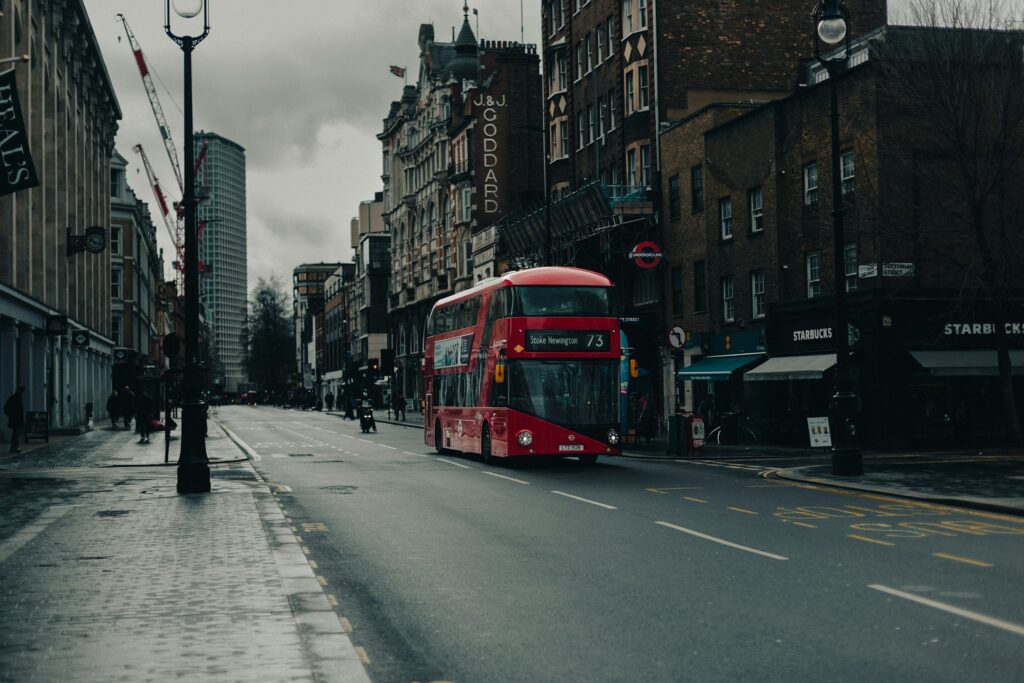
677 435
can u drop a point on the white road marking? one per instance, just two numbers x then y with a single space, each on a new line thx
722 541
502 476
422 455
31 530
348 436
967 614
585 500
241 444
365 440
457 464
384 445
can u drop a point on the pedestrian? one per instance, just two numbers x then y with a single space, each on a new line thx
144 415
398 401
640 421
127 406
113 408
329 400
349 409
14 409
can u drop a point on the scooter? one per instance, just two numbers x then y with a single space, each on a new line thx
366 421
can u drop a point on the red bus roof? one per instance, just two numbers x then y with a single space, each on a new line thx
556 276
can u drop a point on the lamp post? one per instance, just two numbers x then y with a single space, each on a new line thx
193 463
830 21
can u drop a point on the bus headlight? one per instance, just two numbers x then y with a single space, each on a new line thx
613 437
524 438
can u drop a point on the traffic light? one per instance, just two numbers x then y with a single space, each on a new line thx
374 366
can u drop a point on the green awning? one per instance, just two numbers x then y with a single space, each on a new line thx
718 368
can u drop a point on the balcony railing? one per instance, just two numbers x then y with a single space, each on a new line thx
624 194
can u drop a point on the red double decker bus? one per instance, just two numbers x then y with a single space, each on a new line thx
525 364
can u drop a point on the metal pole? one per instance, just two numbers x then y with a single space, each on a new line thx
193 463
846 457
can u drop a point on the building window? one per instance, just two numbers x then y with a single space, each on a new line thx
757 304
591 123
645 288
115 330
115 283
645 165
600 42
677 290
674 198
611 35
611 109
700 287
564 126
630 105
697 188
467 204
561 12
641 13
580 130
725 218
728 302
627 17
553 142
115 182
813 274
563 68
641 75
631 167
590 52
846 164
755 200
850 266
579 60
601 110
115 239
811 184
469 257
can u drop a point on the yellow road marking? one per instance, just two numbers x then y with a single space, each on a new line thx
694 500
749 512
322 580
869 540
333 600
363 657
306 550
346 625
805 525
312 564
314 526
674 488
965 560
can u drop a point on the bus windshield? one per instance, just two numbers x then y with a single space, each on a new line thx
547 300
566 392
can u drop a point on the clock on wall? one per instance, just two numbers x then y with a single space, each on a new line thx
95 238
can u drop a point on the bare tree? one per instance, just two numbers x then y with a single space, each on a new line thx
956 83
268 339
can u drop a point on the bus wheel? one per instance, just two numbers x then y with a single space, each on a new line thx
588 459
438 437
485 446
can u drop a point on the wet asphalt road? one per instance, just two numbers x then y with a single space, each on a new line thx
634 570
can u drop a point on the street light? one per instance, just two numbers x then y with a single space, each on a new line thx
193 463
830 21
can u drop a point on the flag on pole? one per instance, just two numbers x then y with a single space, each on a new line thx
398 71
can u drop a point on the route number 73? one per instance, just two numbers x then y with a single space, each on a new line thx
595 341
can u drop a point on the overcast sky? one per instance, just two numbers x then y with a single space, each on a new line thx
303 86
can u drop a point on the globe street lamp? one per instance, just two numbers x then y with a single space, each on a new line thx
830 26
193 463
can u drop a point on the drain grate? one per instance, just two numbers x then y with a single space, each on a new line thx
112 513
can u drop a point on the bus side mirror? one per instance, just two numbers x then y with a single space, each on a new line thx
634 371
499 372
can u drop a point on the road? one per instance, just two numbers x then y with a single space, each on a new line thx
447 569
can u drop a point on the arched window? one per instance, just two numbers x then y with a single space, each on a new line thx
433 219
415 341
401 232
445 219
423 223
401 341
412 228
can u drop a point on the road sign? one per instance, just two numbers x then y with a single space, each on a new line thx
676 337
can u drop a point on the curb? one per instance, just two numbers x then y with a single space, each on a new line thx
971 503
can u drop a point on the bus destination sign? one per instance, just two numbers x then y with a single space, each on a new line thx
567 340
449 353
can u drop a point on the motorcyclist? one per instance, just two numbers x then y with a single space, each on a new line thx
366 412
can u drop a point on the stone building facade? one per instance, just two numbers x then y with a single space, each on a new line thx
55 309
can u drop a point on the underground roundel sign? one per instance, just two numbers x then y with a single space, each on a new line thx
646 254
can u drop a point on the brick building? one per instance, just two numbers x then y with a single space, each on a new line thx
751 267
460 149
618 73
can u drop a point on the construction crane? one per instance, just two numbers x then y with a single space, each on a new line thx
173 224
154 102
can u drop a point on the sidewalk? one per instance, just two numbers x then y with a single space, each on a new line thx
110 575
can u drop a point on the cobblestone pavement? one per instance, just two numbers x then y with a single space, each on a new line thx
109 575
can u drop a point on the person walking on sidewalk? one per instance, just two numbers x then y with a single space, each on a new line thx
14 409
113 408
127 406
329 401
399 404
143 415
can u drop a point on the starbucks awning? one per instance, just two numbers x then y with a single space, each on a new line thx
718 368
966 363
792 367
